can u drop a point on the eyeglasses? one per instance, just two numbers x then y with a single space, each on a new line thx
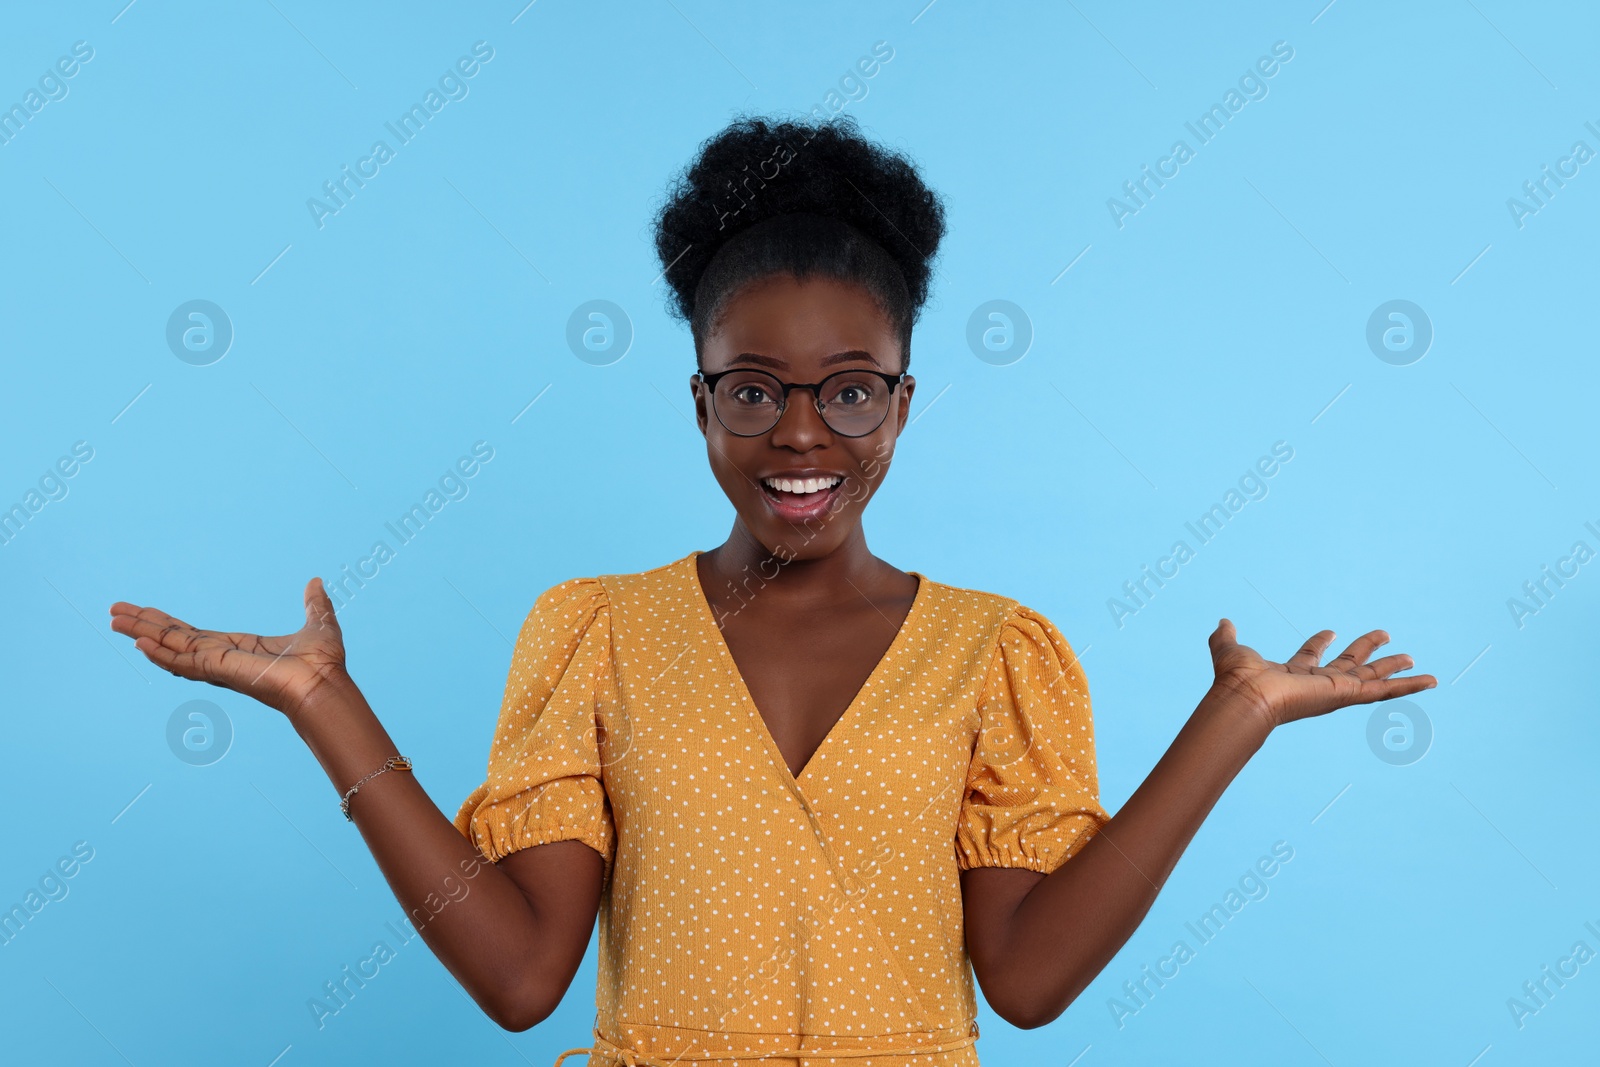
853 402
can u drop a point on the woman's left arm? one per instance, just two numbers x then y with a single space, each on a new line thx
1037 941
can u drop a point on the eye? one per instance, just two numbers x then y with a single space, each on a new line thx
750 393
851 391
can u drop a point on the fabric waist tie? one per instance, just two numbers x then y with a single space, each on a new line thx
637 1059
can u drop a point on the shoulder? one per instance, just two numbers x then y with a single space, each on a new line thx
571 595
998 611
562 616
959 598
600 591
666 580
1011 627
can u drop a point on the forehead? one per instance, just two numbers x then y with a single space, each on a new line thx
800 322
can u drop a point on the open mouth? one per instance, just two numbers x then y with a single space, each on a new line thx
801 498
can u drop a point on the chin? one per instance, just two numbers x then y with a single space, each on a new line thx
791 539
799 541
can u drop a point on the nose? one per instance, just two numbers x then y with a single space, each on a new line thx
800 426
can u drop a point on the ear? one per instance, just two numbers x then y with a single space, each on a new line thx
700 412
908 385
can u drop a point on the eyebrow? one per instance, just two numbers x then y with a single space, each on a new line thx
827 361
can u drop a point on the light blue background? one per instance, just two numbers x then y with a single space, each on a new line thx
1227 314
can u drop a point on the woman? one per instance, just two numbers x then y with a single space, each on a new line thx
800 787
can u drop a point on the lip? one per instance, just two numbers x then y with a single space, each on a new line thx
791 512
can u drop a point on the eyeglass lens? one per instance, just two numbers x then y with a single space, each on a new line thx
853 403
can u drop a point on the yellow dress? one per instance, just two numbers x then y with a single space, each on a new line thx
752 917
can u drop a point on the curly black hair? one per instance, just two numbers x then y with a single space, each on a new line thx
801 198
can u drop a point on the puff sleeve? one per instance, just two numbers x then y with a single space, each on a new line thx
1032 795
545 780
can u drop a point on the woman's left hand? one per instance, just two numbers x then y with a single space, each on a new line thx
1299 688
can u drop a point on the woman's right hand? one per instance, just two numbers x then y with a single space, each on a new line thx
287 673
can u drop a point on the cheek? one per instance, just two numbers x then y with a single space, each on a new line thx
871 466
853 496
859 489
722 452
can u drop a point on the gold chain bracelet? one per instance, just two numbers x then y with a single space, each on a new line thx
393 763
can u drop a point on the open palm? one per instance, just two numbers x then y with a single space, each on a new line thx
1299 688
282 672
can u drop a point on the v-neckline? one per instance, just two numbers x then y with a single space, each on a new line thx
708 619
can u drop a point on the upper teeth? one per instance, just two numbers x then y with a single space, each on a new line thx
803 485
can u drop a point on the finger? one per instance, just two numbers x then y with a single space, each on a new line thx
1382 668
182 637
130 613
1310 653
319 607
1223 638
1377 689
172 632
1360 649
122 607
182 664
157 625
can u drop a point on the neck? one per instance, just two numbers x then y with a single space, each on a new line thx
743 561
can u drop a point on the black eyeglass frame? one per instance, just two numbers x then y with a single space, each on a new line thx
710 380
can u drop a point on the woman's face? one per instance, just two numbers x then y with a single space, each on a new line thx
801 331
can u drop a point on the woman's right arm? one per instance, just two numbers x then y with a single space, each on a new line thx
512 933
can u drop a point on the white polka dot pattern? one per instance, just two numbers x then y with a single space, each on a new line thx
747 911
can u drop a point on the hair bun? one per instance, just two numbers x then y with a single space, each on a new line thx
754 170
